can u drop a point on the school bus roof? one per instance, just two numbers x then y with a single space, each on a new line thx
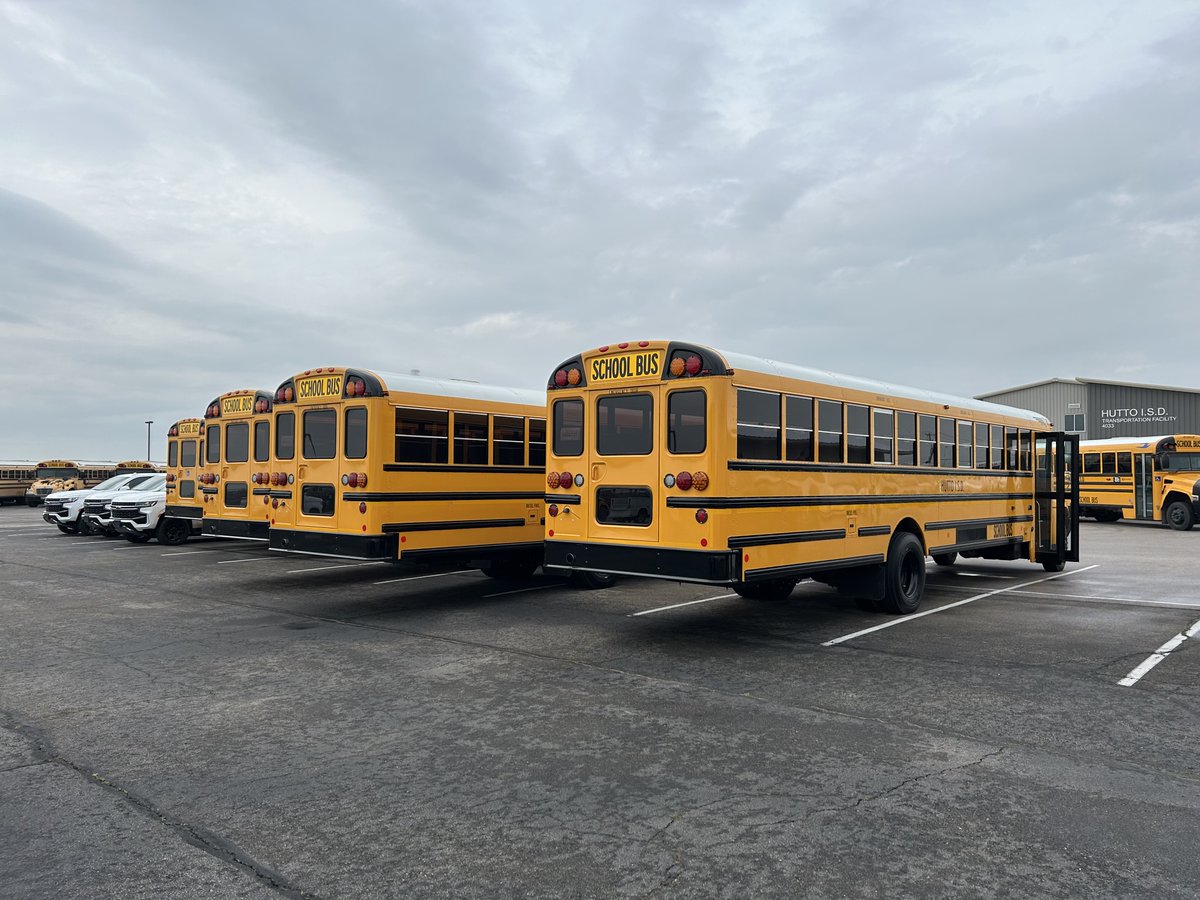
396 383
1138 442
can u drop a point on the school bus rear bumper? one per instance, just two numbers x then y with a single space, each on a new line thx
236 528
329 543
701 566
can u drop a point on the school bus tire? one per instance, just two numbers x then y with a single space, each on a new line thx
775 589
592 581
1179 516
904 574
172 532
945 559
1053 565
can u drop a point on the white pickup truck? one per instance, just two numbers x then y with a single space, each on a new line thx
63 508
96 517
138 516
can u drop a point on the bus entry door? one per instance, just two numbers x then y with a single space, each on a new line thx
623 479
1056 498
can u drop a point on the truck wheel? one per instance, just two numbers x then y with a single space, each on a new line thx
172 531
774 589
139 538
904 575
1179 515
592 581
945 559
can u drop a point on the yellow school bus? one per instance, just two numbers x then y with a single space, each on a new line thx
185 465
237 438
65 475
1155 479
410 469
15 479
679 461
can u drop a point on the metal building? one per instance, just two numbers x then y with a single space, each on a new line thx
1094 408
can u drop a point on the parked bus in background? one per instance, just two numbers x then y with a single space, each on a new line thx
1155 479
376 466
679 461
65 475
237 438
185 464
15 479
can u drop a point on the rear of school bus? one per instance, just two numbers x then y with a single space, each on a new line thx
237 444
410 470
648 475
185 454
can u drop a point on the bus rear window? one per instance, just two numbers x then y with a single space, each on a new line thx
237 442
285 436
625 425
213 433
422 435
187 454
687 422
173 454
262 441
320 434
356 433
568 427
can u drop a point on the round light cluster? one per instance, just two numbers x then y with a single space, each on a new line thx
209 478
564 377
262 406
356 387
285 394
355 479
686 481
689 366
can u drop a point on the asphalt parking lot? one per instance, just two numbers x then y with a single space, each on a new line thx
215 720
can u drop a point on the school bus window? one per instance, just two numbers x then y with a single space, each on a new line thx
830 432
235 494
625 425
202 456
981 445
356 433
997 435
320 434
1124 463
1108 463
537 443
262 441
285 436
172 453
1091 463
965 451
906 439
187 489
687 422
213 433
471 439
1010 446
799 412
422 435
568 427
1025 460
1177 462
317 499
946 442
758 424
508 441
885 428
237 442
858 425
927 441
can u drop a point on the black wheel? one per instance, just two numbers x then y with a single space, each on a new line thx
172 531
510 569
1179 515
30 501
140 538
775 589
945 559
1054 565
592 581
904 575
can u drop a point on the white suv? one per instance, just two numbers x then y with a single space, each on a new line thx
96 517
138 515
63 508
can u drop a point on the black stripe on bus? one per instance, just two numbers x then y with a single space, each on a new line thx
773 466
808 568
843 500
261 492
451 468
963 523
381 497
397 527
794 537
566 499
280 495
874 530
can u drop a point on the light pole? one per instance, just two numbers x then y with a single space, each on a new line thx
149 422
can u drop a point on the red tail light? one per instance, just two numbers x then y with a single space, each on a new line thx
566 479
279 394
352 479
560 377
362 507
683 481
702 516
552 509
693 365
624 345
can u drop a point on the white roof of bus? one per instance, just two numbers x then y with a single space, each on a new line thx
739 362
1113 442
450 387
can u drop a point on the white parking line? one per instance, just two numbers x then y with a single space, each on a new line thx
982 575
1109 599
1158 656
930 612
419 577
131 547
229 562
646 612
377 562
29 534
191 552
539 587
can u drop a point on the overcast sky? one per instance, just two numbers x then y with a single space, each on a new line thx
199 197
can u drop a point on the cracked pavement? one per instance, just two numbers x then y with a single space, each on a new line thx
173 727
